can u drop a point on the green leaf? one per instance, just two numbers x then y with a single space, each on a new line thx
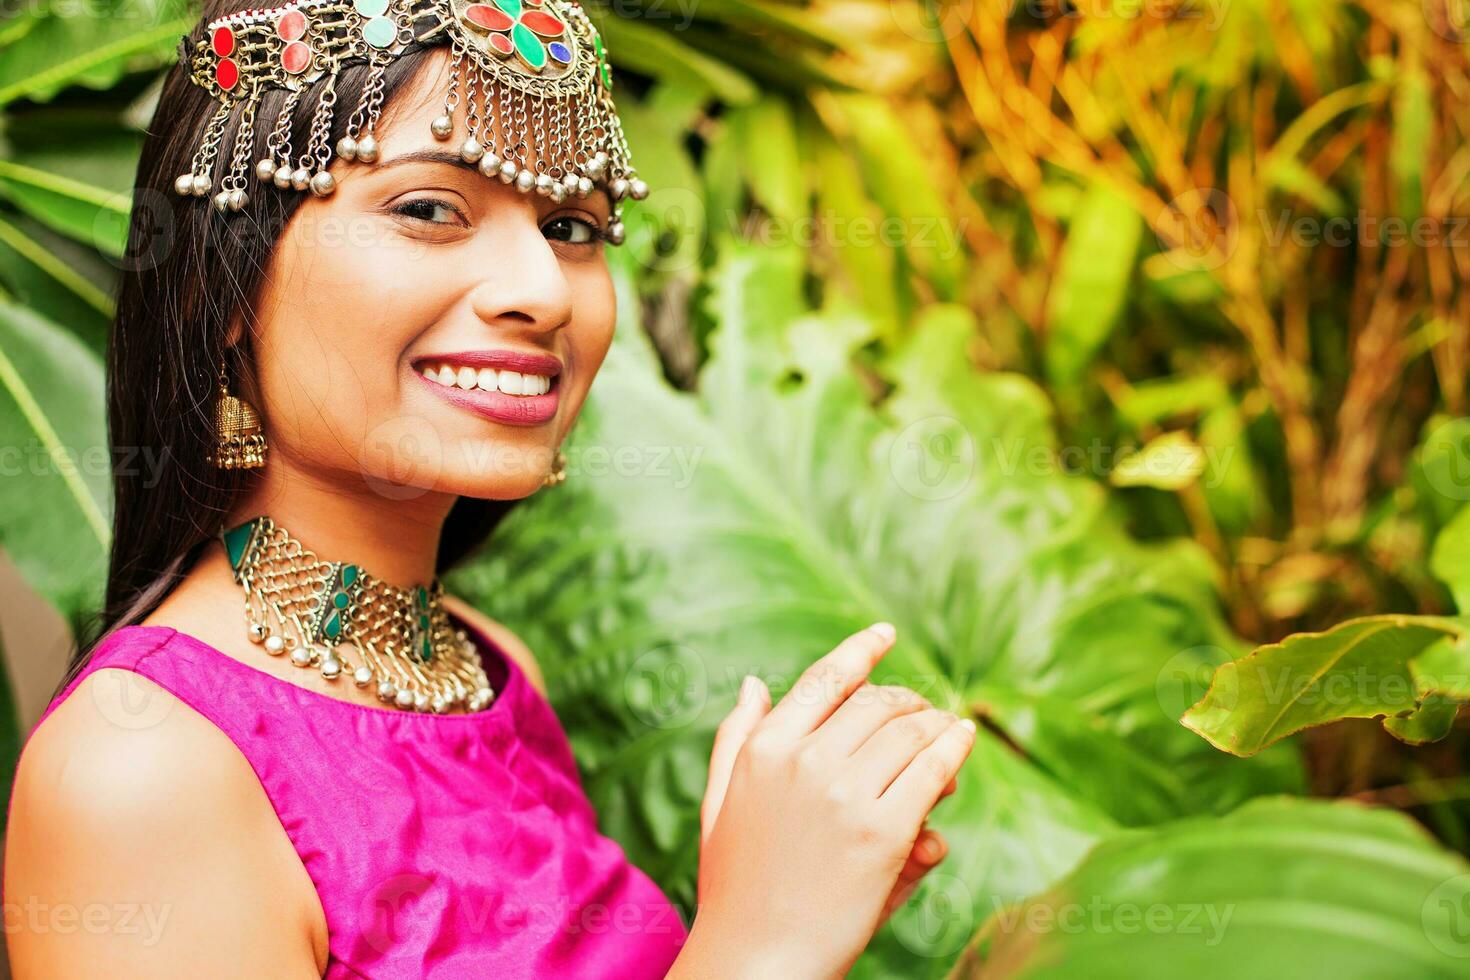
1364 668
1171 461
656 52
54 498
1091 285
1413 134
79 211
749 527
1450 559
1282 888
63 281
62 49
766 135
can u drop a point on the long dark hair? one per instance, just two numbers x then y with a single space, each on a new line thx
189 273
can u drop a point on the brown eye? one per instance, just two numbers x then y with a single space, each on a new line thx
573 230
428 209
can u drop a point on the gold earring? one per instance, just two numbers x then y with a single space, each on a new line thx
558 472
239 441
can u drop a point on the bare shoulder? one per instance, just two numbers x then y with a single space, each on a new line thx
140 837
513 645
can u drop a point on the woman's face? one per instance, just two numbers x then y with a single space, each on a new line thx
426 329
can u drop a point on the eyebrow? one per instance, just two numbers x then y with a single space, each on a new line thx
454 160
429 156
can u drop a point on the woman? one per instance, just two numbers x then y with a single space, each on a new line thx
290 754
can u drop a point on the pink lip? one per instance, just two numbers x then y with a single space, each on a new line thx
497 405
501 360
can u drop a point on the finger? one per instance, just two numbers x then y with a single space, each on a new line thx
929 849
753 703
949 788
828 682
858 718
893 747
913 794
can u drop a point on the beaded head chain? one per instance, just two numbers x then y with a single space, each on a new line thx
533 75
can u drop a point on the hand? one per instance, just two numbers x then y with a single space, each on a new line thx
813 816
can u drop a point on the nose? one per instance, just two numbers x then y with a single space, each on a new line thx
523 282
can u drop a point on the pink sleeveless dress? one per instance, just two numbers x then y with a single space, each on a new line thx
440 845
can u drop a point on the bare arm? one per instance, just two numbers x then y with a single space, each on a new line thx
141 844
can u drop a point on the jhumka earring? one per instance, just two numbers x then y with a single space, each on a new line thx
558 472
239 443
532 75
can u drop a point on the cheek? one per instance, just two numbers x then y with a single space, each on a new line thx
334 322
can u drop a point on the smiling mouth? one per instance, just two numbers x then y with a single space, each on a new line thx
469 378
504 386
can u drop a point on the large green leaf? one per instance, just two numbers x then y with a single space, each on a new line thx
53 446
62 48
1280 888
1376 666
748 528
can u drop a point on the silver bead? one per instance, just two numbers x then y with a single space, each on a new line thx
471 150
618 188
441 127
421 701
403 698
347 148
331 668
301 657
544 183
595 167
301 178
274 644
184 185
490 164
367 149
265 170
222 201
256 632
600 158
570 183
323 183
615 233
282 179
558 193
525 180
584 186
386 691
201 185
638 188
508 172
439 705
362 676
238 199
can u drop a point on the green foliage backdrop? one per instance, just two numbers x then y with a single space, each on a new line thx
1090 343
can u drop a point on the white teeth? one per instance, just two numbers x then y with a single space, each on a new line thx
487 379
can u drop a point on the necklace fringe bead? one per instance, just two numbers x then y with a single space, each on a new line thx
337 618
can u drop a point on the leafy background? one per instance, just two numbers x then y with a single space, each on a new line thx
1077 339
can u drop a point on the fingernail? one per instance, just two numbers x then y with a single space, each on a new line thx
884 630
931 849
968 724
748 688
